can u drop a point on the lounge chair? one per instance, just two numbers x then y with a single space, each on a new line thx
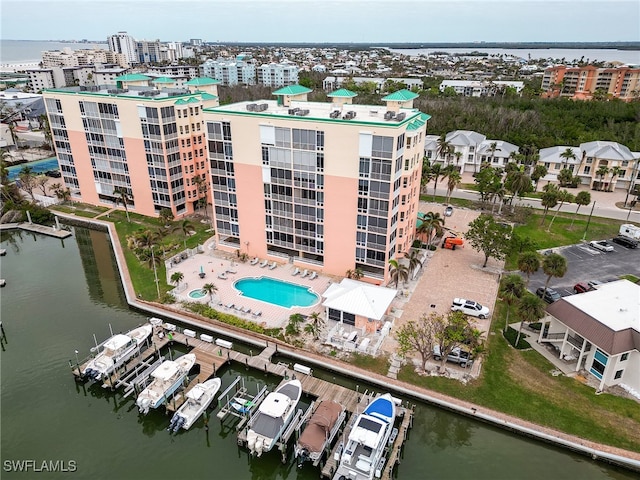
264 263
257 314
305 273
273 265
231 270
222 276
296 272
313 276
247 311
229 305
254 261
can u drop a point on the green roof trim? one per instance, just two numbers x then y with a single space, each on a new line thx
424 117
202 81
400 96
132 77
164 80
208 96
415 125
343 93
292 90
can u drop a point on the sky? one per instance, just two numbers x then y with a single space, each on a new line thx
313 21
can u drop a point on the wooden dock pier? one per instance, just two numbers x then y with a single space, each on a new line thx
211 357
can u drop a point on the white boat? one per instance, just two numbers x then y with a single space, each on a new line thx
319 431
197 401
364 452
115 352
167 378
273 417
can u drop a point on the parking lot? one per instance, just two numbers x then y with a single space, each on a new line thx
586 263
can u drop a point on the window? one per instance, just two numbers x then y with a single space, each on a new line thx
618 374
599 364
587 169
589 160
624 357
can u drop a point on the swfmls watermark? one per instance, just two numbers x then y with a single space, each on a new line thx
39 466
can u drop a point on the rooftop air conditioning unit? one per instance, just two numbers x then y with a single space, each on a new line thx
261 107
292 111
251 107
389 115
400 116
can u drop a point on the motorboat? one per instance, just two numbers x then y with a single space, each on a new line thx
273 417
115 352
167 378
319 431
364 453
197 401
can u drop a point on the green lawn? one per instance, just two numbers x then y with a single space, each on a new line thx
564 231
458 202
520 383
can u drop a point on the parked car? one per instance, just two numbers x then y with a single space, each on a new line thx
594 283
601 245
625 241
469 307
457 355
549 296
448 211
581 287
53 173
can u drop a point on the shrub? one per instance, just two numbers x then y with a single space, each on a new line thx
536 326
208 312
511 336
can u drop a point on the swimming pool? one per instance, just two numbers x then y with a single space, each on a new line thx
39 166
277 292
197 293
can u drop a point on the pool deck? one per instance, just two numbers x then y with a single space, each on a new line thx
214 262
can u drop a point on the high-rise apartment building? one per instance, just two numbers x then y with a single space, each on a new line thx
331 186
587 82
230 72
146 142
125 44
277 74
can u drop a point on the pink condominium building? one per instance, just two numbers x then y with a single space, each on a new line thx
327 186
142 142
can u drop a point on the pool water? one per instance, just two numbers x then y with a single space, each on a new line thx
277 292
198 293
37 167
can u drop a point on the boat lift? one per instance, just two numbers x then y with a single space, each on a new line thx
137 380
240 403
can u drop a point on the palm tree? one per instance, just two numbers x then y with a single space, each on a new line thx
316 322
185 227
453 181
530 309
615 171
432 225
567 154
444 148
427 176
458 156
539 171
519 183
496 191
436 172
210 288
602 172
553 265
563 196
513 288
398 271
414 259
177 277
528 263
493 148
549 199
582 198
123 196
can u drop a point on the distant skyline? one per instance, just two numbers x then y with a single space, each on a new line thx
312 21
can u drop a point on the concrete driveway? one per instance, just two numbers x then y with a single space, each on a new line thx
586 263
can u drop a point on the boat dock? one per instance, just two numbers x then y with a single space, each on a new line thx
37 228
211 356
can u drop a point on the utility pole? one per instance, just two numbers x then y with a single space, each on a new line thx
588 222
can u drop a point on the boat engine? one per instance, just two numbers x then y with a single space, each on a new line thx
144 405
303 456
179 423
259 446
251 442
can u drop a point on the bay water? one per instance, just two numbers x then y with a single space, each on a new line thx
61 292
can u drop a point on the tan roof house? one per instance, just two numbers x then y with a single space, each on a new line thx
599 332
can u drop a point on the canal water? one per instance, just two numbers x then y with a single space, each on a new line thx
60 292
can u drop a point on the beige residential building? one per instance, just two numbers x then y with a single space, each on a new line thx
327 186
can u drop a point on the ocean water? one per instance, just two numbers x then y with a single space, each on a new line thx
29 51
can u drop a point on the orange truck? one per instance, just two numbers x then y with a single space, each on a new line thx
452 242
